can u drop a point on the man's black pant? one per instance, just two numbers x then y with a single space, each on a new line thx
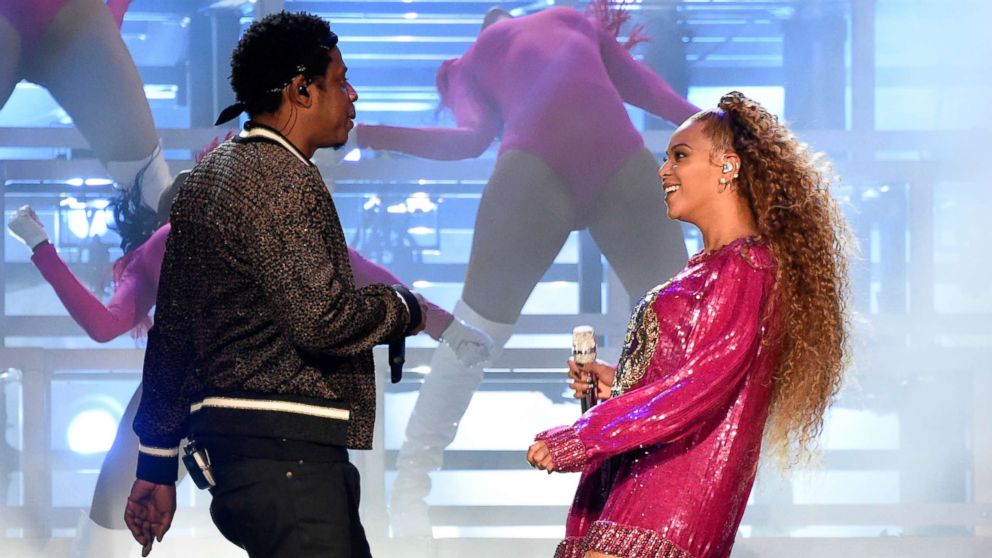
288 509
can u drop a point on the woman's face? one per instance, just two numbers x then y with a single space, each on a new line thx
691 174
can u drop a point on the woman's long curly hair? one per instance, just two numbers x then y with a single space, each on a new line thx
788 189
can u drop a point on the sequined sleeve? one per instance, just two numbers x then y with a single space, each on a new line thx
367 272
162 415
720 349
296 268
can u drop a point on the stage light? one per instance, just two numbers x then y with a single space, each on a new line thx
354 155
91 431
86 219
372 202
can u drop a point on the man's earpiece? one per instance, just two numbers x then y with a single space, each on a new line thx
303 91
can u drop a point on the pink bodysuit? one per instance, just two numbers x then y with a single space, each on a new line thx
555 82
138 284
31 18
681 436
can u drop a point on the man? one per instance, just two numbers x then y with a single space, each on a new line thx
261 349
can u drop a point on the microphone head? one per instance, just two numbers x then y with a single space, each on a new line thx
584 344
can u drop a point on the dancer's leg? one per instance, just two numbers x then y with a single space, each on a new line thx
523 220
84 63
631 227
102 532
117 472
10 45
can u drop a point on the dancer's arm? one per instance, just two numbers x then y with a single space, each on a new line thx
128 307
132 299
638 85
721 350
477 121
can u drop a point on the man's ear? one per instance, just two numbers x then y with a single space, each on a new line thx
298 91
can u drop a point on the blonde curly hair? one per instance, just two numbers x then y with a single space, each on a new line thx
788 189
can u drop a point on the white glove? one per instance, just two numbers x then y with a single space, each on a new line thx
472 346
26 227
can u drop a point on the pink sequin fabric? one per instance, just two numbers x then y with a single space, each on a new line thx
668 462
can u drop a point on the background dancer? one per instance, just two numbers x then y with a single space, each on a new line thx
554 83
754 328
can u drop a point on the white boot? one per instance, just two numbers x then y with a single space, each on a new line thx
95 541
442 402
150 174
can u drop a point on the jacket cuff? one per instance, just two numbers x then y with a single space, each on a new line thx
412 306
158 465
567 452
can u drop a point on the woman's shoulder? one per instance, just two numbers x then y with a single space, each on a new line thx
756 252
752 250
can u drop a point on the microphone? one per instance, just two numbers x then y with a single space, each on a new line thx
397 356
584 352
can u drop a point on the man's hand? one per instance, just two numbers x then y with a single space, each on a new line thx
539 456
582 376
149 512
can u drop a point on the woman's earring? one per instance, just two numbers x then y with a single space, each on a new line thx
728 167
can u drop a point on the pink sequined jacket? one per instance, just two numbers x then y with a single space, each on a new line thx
681 436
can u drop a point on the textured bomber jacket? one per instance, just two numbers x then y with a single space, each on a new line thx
259 329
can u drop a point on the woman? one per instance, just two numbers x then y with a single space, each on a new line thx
552 85
746 342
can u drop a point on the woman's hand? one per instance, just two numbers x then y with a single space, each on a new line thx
539 457
583 375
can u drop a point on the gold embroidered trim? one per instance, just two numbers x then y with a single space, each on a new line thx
639 344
